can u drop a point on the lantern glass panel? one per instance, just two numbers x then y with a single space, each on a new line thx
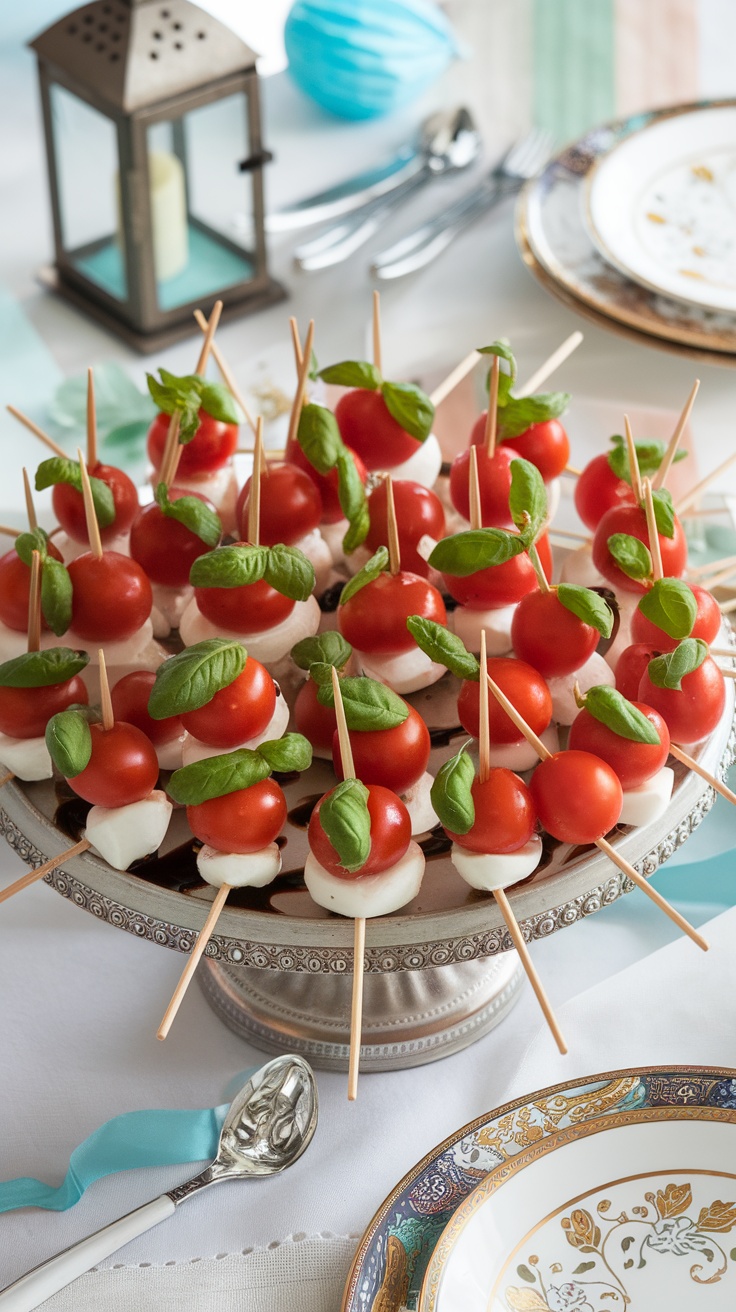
201 203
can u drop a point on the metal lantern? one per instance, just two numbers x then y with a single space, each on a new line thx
153 140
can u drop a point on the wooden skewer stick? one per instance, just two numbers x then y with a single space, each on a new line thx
377 331
573 471
574 537
713 566
108 715
654 543
727 674
37 432
669 455
476 509
91 422
203 938
30 508
52 864
633 461
489 437
296 343
10 532
453 380
225 372
93 528
392 533
301 383
34 604
694 765
703 512
356 1008
691 496
723 651
727 606
722 576
209 336
553 362
170 458
254 496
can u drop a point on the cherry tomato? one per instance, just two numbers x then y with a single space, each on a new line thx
366 425
15 588
291 505
374 619
633 762
544 551
578 797
494 482
548 636
631 665
122 768
244 821
211 447
545 445
326 484
504 814
418 512
633 520
598 490
130 703
390 835
707 623
317 722
499 585
250 608
396 757
25 712
236 713
523 686
68 504
693 711
111 598
165 548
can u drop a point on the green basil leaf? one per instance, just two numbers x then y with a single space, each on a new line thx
328 648
229 567
477 548
42 669
56 595
344 816
291 752
190 680
527 498
410 407
611 708
520 413
320 673
350 489
69 742
27 543
650 455
175 394
289 572
631 556
443 647
358 530
664 512
352 373
188 425
589 607
671 605
451 794
193 513
368 704
313 366
319 437
60 470
507 369
217 776
669 670
370 571
219 402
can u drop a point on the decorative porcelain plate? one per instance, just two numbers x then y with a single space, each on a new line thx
610 1193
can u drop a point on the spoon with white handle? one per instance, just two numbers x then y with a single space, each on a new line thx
268 1126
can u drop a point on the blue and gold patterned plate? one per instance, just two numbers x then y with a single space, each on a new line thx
394 1255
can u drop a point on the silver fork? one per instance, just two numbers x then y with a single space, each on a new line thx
521 162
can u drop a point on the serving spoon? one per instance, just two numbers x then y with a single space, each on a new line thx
268 1126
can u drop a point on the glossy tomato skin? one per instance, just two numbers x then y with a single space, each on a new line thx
418 512
243 821
577 795
251 608
707 623
504 814
164 548
111 599
326 484
68 504
211 447
633 520
548 636
374 619
25 712
130 703
630 667
366 425
390 835
693 711
15 588
633 762
291 505
123 767
499 585
236 713
545 445
597 490
318 723
494 481
524 687
396 757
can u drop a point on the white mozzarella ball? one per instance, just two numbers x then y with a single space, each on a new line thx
333 535
425 546
490 870
170 604
423 466
371 895
595 671
355 562
553 490
407 671
194 750
578 567
267 646
221 488
239 869
418 803
14 642
627 603
468 624
71 549
123 834
149 659
28 758
170 754
116 653
318 553
522 756
650 800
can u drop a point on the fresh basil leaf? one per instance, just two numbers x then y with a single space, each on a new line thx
328 648
443 647
350 489
319 437
649 454
368 704
190 680
345 819
527 498
477 548
313 366
229 567
320 673
664 512
27 543
218 401
69 742
352 373
193 513
631 556
217 776
669 670
175 394
42 669
611 708
358 530
188 426
370 571
589 607
451 794
56 595
60 470
289 572
410 407
671 605
507 369
291 752
520 413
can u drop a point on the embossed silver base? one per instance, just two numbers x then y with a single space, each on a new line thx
410 1017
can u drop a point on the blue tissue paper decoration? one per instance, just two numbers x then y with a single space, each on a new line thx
360 59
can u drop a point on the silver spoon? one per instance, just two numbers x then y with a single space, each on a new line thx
268 1126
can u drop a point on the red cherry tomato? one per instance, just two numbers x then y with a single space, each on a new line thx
693 711
578 797
632 520
291 506
250 608
548 636
504 814
211 447
418 512
374 619
130 703
366 425
69 504
236 713
545 445
25 712
633 762
111 598
15 587
544 551
707 623
243 821
494 482
499 585
165 548
317 722
523 686
326 484
631 665
390 835
122 768
598 490
396 757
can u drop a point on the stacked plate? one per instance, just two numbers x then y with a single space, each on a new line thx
634 226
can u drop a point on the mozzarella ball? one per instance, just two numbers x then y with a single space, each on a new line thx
268 646
490 870
239 869
595 671
194 750
468 625
123 834
28 758
407 671
645 804
371 895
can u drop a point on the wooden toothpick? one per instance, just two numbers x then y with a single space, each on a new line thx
669 455
93 528
377 331
694 765
254 496
171 455
34 604
52 864
655 548
356 1007
553 362
453 379
484 724
209 336
37 432
91 422
108 715
476 510
203 938
633 461
301 384
296 343
30 508
704 483
392 529
489 438
225 372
